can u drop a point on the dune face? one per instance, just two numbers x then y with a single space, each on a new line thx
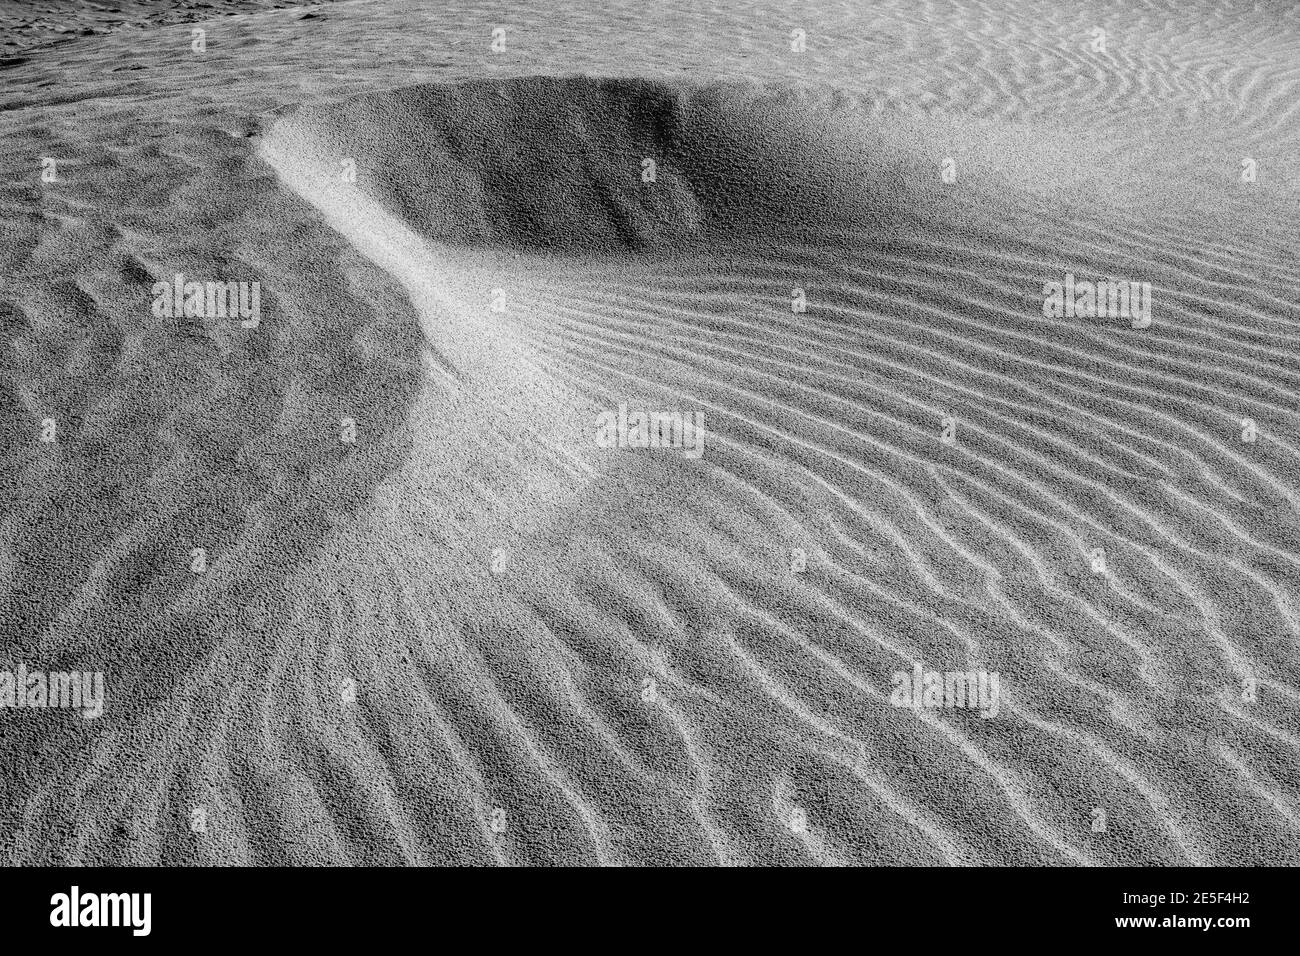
650 448
580 165
523 163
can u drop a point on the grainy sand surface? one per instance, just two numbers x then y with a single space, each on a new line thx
474 635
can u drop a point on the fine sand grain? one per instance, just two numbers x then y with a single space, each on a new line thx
365 584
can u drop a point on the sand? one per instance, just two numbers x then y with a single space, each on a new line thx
365 583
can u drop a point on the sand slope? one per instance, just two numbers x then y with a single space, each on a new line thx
497 589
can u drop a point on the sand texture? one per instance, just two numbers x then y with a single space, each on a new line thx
363 581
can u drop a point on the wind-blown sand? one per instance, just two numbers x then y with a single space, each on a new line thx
473 634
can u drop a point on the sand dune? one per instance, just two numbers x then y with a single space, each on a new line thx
474 634
32 24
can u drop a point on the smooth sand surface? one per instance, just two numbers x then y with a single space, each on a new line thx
473 634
